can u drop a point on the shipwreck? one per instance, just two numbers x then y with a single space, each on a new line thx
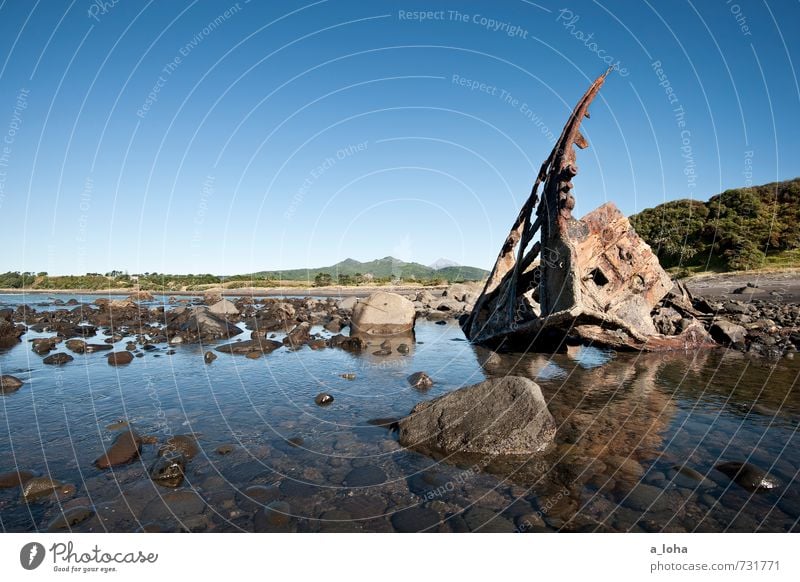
588 280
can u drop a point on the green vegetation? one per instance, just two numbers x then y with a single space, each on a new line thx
744 228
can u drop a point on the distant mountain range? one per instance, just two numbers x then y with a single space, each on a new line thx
387 267
442 264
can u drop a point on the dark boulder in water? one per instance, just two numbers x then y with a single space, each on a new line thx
169 470
420 380
119 358
9 384
748 476
57 359
125 448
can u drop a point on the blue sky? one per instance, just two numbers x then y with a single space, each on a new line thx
230 137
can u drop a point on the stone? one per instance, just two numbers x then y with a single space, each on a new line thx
487 521
420 380
748 476
198 323
209 357
501 416
76 345
9 384
645 497
38 487
223 307
323 399
125 448
366 476
415 519
726 332
179 504
168 470
70 518
383 313
347 304
299 336
348 344
259 346
14 478
119 358
92 348
58 359
276 516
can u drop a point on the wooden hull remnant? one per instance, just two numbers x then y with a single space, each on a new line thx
589 280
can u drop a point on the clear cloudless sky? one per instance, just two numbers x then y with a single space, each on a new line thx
230 137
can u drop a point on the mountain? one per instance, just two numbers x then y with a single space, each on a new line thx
385 268
442 263
743 228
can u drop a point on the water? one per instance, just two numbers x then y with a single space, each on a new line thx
625 420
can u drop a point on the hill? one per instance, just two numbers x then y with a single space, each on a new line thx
385 268
743 228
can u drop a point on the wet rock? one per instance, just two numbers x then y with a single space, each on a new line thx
9 384
199 324
58 359
415 519
347 304
119 358
383 313
487 521
299 336
117 425
274 517
367 476
335 324
168 470
125 448
223 307
179 504
76 345
255 497
348 376
646 497
38 487
348 344
420 380
70 518
183 444
748 476
44 345
294 488
225 449
726 332
14 478
687 475
209 357
501 416
92 348
323 399
9 331
259 346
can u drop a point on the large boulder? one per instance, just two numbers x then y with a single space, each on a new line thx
726 332
9 384
501 416
223 307
199 323
383 313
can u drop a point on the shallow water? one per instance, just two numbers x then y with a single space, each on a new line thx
624 422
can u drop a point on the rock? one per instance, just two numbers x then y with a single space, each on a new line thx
347 304
260 346
274 517
415 519
348 376
199 324
70 517
299 336
647 498
383 313
9 331
168 470
223 307
38 487
748 476
119 358
323 399
420 380
125 448
76 345
726 332
183 444
487 521
209 357
335 324
255 497
9 384
179 504
122 304
92 348
225 449
43 345
683 473
14 478
501 416
141 296
367 476
57 359
348 344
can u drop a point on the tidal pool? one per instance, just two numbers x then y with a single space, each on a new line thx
272 460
